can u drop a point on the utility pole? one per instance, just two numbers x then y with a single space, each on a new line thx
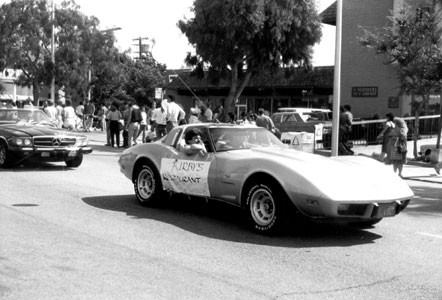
140 46
144 47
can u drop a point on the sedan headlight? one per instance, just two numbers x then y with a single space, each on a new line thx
81 142
22 142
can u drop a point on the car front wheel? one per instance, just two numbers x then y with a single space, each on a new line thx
265 207
147 184
5 158
75 162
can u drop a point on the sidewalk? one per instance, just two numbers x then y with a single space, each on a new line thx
413 170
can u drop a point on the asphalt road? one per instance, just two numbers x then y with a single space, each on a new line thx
79 234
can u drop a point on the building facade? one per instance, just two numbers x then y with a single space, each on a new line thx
13 92
368 84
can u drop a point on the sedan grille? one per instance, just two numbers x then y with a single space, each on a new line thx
53 141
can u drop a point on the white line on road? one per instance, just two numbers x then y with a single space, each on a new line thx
429 234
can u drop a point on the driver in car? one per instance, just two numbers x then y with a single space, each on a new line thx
193 143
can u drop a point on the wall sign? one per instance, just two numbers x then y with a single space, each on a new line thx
364 91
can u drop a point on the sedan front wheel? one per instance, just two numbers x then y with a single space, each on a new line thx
5 157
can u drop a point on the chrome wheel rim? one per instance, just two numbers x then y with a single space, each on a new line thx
262 207
146 183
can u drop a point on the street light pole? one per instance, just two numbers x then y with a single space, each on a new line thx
337 81
53 54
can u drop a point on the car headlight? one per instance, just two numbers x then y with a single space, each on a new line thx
81 142
23 142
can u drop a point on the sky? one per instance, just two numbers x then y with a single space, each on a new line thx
157 19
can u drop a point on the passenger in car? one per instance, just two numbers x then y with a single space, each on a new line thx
193 143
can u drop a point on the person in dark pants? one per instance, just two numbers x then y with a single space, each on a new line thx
126 115
114 116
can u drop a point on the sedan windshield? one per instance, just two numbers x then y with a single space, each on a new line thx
24 116
236 138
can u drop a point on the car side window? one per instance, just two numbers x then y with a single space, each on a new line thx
204 137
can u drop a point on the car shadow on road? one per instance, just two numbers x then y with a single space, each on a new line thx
30 166
220 221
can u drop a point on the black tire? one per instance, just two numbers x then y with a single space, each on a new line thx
75 162
147 184
366 224
5 157
265 204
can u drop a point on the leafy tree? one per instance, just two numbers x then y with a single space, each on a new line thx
25 32
80 48
411 41
239 38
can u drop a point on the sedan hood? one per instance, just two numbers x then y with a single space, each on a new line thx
25 130
345 178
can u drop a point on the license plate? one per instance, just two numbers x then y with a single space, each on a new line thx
387 210
45 154
72 154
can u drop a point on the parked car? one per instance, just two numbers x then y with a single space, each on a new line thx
301 119
429 153
271 182
28 134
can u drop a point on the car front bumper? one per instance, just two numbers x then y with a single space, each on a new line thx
49 153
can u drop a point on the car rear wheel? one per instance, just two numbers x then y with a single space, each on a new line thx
147 184
75 162
265 207
5 157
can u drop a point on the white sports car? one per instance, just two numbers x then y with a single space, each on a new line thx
249 167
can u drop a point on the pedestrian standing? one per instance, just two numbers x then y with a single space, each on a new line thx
51 111
69 115
345 123
159 122
384 135
143 124
125 111
132 123
59 108
89 111
114 116
194 113
398 145
174 113
101 115
262 120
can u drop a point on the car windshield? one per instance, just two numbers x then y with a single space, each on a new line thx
24 116
236 138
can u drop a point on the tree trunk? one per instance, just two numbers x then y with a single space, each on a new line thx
416 125
35 92
229 105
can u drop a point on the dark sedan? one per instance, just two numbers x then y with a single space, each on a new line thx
28 134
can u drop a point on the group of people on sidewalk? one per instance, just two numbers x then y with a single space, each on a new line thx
64 115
